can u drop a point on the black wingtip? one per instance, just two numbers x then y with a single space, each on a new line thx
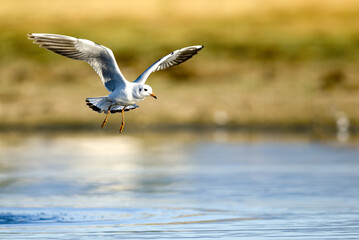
199 47
30 36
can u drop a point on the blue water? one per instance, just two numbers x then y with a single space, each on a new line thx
177 186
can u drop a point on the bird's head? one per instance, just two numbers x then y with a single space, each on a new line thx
145 91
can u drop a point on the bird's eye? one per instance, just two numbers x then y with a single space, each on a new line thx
145 90
140 89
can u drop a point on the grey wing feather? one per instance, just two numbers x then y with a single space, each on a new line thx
99 57
172 59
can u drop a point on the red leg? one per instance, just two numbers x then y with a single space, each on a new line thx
123 119
108 112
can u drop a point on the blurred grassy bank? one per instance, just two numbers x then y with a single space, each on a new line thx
265 63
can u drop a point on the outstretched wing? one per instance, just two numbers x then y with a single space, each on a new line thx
172 59
99 57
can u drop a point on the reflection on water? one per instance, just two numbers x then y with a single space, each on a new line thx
173 186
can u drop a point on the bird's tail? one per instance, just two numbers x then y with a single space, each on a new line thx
101 104
98 104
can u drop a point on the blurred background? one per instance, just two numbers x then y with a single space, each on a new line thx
255 136
273 64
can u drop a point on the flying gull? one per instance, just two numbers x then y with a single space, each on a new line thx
124 95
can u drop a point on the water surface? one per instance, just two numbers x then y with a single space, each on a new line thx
177 186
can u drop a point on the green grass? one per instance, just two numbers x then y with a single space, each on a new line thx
269 63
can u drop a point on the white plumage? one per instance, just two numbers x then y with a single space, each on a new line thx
123 94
